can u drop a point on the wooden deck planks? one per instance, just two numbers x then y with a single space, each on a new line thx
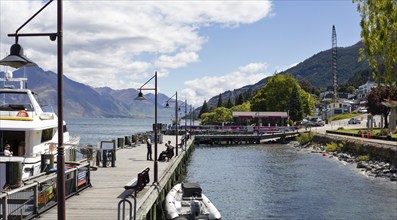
101 200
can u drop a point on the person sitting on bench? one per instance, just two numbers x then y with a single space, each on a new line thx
169 152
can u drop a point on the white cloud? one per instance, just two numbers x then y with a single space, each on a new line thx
196 91
117 43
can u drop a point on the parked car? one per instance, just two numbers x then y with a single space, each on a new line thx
354 121
362 110
315 122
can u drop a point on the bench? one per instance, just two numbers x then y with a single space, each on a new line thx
137 184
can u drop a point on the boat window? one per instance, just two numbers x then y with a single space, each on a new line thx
15 101
47 134
15 139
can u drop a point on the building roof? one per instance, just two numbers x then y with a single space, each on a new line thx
260 114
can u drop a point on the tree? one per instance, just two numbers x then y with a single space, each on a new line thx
274 96
239 99
245 107
375 99
217 116
220 103
204 109
229 103
379 34
295 105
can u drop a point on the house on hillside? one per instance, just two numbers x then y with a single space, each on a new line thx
363 90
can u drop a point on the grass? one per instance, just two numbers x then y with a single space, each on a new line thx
356 131
344 116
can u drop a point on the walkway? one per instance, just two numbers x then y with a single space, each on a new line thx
101 200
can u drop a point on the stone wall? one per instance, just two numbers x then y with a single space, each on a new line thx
376 151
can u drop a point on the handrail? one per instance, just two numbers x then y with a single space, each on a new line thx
35 195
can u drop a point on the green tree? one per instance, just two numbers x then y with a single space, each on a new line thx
220 103
295 105
217 116
229 103
379 34
274 96
239 99
245 107
204 109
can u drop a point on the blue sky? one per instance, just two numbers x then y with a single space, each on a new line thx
199 48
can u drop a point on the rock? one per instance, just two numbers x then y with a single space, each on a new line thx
362 164
393 177
393 169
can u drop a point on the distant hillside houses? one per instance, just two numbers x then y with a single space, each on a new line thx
363 90
346 102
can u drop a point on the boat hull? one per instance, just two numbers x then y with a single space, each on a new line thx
179 207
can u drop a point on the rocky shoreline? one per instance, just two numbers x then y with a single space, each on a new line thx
376 169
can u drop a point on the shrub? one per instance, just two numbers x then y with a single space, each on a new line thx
334 147
363 158
304 138
331 147
340 128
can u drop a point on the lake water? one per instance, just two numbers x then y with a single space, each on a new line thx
270 181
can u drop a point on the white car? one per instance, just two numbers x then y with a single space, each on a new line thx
362 110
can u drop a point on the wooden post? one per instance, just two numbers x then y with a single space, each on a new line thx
14 173
47 162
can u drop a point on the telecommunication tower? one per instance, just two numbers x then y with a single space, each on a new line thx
334 63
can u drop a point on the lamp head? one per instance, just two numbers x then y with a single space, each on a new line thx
167 105
140 96
16 58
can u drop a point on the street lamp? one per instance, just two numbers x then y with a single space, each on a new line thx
185 105
176 119
16 59
140 97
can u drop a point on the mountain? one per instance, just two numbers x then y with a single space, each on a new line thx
81 100
316 69
84 101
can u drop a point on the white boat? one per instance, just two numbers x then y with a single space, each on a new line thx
27 128
186 201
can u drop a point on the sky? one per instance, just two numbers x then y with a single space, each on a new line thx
198 48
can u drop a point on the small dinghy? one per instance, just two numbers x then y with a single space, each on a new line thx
186 202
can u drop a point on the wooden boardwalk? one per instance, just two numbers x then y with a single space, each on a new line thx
242 138
101 200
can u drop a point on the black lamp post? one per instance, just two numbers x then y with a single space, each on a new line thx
185 105
16 59
155 127
176 119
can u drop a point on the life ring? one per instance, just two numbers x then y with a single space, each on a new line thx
22 113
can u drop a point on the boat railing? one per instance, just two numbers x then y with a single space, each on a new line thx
39 195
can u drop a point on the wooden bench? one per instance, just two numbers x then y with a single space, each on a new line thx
137 184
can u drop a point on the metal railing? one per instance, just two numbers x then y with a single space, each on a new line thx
39 195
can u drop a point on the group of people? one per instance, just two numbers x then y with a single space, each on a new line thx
168 153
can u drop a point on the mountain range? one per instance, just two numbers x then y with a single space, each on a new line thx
81 100
316 69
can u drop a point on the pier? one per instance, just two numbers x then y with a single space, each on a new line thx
101 200
233 139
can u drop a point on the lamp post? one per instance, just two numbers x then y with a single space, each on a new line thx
16 59
185 105
176 119
155 127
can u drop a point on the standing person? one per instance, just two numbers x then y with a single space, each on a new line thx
7 151
149 148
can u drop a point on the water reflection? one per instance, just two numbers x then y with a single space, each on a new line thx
278 182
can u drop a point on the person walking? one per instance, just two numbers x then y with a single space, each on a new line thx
149 148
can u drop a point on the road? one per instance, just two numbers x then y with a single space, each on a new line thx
344 123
